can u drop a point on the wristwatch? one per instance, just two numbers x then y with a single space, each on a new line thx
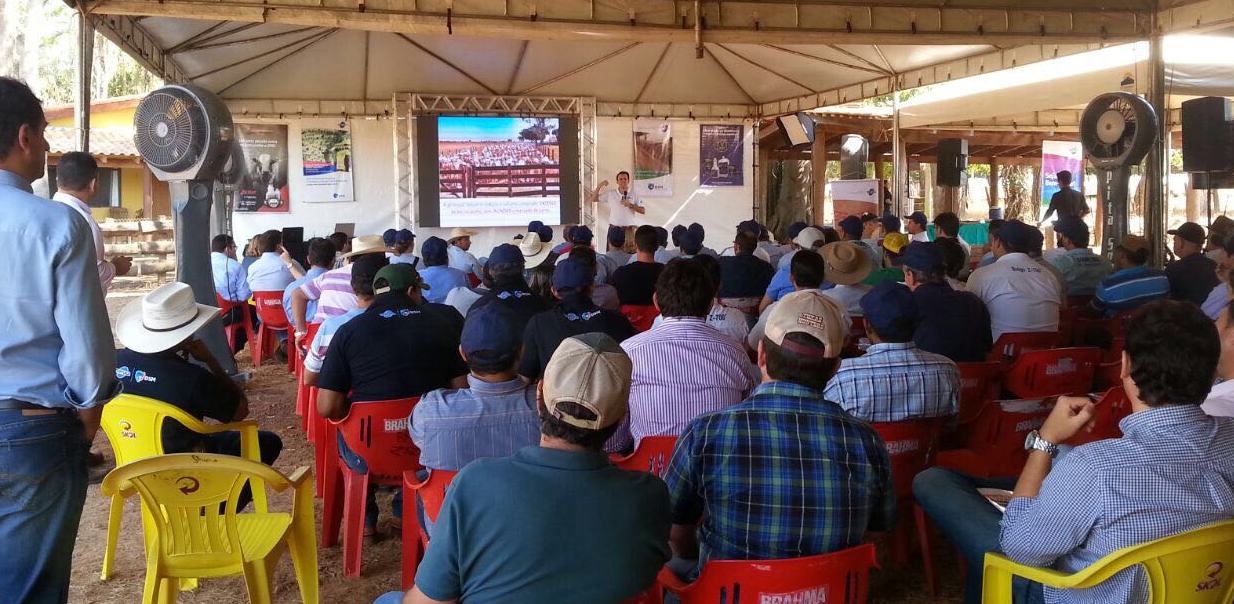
1034 441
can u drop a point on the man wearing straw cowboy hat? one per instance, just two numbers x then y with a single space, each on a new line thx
460 258
159 333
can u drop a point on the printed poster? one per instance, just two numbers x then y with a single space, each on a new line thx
326 160
653 158
264 187
721 155
1057 156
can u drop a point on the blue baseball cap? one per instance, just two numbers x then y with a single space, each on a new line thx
434 251
852 226
505 254
891 223
616 235
404 236
1017 235
491 332
886 303
919 218
922 256
545 232
750 226
796 228
1072 227
572 274
534 226
388 236
581 234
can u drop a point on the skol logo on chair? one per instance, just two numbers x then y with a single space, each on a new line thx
188 485
1213 581
813 595
126 429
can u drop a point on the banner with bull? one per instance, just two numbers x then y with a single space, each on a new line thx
720 155
653 158
264 187
325 157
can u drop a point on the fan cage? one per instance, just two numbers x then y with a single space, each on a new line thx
171 130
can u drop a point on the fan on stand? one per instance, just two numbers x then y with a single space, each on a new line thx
1117 130
184 134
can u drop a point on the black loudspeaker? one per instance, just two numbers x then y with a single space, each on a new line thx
1212 180
293 242
854 153
798 129
952 162
1208 137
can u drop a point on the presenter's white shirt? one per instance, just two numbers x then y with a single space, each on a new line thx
107 270
619 215
1021 294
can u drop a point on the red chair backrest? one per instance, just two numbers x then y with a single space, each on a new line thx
1078 301
432 491
911 444
377 432
1010 345
640 316
1110 410
979 384
270 309
1108 375
651 456
997 435
1066 323
1060 371
841 576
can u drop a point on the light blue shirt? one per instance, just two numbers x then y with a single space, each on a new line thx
269 274
230 279
1083 270
56 348
311 309
441 280
452 428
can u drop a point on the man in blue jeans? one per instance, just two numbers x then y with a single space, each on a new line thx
1172 471
57 365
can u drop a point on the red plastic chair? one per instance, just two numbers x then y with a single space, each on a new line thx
432 493
994 442
1039 373
1010 345
246 323
1108 375
911 445
1110 410
979 384
273 319
640 316
303 409
841 576
376 432
652 455
1067 317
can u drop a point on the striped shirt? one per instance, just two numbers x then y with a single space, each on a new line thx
333 293
683 369
893 382
321 342
1172 471
1129 289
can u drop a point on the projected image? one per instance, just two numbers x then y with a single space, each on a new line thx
498 171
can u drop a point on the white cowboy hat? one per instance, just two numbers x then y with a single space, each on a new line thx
367 244
458 232
535 251
162 318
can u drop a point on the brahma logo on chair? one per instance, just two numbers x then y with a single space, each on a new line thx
396 425
813 595
902 446
1212 582
1029 424
126 429
1064 366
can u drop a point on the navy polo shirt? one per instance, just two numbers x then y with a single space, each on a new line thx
636 282
575 314
955 324
547 526
744 276
393 350
516 296
1192 278
170 378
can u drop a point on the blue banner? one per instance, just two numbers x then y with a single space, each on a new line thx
721 155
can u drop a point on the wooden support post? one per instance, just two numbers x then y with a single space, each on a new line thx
818 172
994 175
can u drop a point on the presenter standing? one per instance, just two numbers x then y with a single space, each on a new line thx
623 203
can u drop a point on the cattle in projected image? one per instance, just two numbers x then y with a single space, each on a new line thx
495 157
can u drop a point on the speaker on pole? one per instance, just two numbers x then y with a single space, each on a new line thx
952 162
1208 137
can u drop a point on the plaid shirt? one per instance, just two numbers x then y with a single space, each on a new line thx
1172 471
783 474
895 382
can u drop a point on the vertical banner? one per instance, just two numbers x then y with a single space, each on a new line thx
653 158
1057 156
720 153
264 187
325 157
855 197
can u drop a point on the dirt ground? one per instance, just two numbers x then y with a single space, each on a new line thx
272 403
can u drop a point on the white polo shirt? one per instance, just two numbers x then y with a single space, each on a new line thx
848 297
619 215
923 236
1021 294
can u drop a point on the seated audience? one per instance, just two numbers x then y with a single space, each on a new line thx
250 253
894 380
321 259
1132 284
947 226
616 246
274 270
436 273
808 238
725 319
1220 400
773 250
744 277
332 289
401 346
847 267
951 322
342 245
1192 275
1221 228
807 272
164 359
682 367
402 244
575 313
460 254
1021 295
1035 250
581 237
755 230
636 282
663 254
363 271
888 268
850 229
1171 471
230 279
696 230
992 228
495 415
507 287
1081 268
1220 294
916 227
953 261
791 248
604 295
785 473
556 522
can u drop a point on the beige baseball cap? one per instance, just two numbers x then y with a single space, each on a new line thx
810 313
592 371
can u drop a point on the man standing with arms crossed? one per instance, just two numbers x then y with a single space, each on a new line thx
623 203
58 363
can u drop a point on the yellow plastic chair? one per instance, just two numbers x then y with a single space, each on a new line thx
1195 567
197 534
134 425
